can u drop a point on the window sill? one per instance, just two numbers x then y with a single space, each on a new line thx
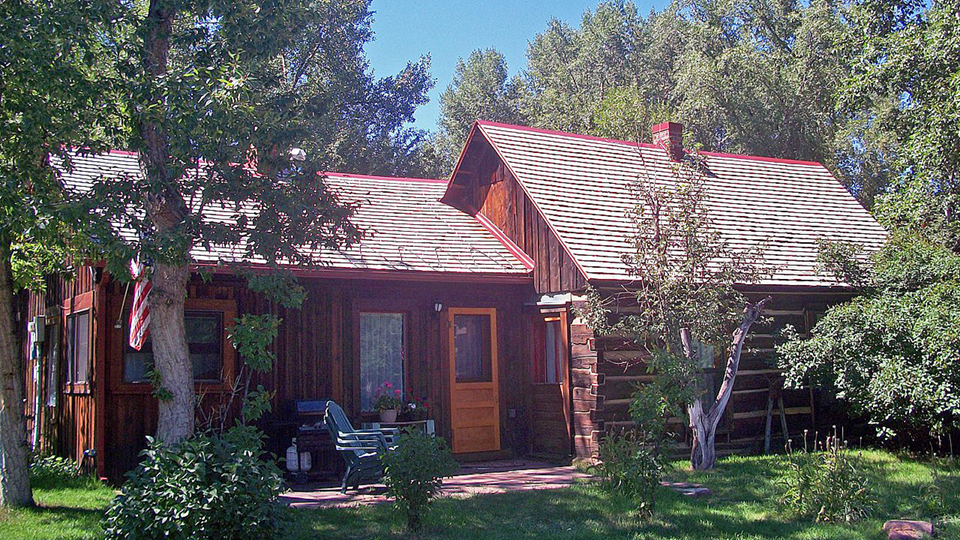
76 389
146 388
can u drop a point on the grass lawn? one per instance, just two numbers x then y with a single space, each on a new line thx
743 506
71 510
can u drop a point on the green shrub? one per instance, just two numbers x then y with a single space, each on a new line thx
827 483
414 472
52 470
215 487
629 468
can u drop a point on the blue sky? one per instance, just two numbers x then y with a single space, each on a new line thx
451 29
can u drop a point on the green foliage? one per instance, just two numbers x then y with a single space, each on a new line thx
252 336
278 285
414 472
631 469
480 90
827 483
944 481
206 487
905 76
52 470
666 396
892 353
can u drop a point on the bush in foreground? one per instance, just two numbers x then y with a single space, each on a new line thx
52 470
827 485
414 473
215 487
630 469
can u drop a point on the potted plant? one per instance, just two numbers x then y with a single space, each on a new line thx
387 401
417 408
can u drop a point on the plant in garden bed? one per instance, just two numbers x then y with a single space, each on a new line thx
414 473
827 483
630 469
52 470
209 486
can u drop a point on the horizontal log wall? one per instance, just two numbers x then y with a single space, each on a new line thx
607 371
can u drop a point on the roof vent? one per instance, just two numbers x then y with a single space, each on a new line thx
669 136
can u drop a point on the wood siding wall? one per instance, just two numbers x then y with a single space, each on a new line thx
606 372
484 185
72 426
317 356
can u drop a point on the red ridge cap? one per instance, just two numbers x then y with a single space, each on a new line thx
374 177
507 243
564 134
644 145
762 158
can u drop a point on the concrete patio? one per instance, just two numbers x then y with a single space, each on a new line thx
473 479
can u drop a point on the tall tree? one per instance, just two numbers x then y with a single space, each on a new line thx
54 93
745 76
683 304
481 90
891 353
220 92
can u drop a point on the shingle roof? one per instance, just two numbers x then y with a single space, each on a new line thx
408 228
579 184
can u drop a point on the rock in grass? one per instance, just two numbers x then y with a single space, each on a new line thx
898 529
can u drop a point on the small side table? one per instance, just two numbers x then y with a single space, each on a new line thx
427 426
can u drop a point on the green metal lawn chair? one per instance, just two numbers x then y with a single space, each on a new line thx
361 449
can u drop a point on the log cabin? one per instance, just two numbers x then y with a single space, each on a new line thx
463 294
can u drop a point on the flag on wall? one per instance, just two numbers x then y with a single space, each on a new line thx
140 310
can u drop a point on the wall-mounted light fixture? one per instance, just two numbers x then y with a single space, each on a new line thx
438 306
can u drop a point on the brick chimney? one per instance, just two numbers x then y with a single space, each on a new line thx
669 136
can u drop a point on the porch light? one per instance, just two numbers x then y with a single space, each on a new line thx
438 306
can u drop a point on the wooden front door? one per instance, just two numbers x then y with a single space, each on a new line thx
474 394
550 391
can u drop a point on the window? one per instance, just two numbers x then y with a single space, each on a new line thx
77 346
471 341
205 342
53 357
548 360
381 354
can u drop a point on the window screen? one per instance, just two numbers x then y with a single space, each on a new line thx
381 354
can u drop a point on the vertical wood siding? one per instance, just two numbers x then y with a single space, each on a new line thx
318 357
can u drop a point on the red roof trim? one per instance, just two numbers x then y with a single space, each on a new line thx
533 201
373 177
381 274
643 145
507 243
564 134
762 158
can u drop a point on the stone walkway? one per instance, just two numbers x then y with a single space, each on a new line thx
473 479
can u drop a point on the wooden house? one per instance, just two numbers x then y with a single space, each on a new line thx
461 295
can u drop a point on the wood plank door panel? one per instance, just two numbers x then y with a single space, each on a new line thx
550 390
474 390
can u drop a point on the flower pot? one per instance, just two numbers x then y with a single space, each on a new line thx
388 416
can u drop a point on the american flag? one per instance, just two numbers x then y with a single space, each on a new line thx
140 310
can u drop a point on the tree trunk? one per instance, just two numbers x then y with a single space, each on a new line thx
14 478
171 356
167 211
703 423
